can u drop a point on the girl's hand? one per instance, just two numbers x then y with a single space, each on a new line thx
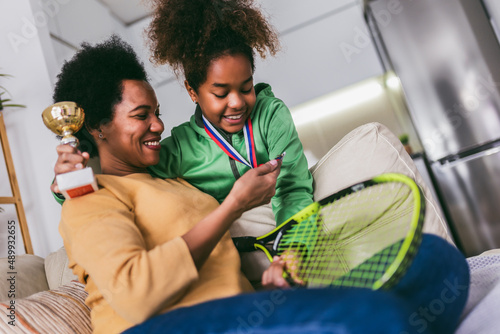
273 278
288 262
69 159
256 187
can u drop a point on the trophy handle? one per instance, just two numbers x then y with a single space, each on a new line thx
69 139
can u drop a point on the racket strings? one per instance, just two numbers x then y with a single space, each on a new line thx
352 240
381 222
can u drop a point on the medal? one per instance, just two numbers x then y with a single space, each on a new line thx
228 148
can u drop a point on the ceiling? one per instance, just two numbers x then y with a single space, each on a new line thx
129 11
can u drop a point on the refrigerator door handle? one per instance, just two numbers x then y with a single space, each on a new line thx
454 162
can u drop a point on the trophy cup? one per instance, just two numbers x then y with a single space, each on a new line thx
64 119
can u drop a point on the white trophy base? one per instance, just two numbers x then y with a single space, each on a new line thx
77 183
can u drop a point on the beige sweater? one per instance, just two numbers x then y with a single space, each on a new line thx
124 242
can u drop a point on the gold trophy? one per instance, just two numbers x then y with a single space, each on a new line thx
64 119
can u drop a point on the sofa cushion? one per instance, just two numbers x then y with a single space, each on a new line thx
56 269
484 295
370 150
61 310
28 277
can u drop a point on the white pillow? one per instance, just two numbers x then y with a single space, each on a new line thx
370 150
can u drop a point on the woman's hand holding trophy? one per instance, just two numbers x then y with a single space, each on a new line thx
64 119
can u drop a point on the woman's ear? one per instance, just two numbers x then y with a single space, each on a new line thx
96 134
191 92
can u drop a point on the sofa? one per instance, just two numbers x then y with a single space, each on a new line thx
44 294
48 299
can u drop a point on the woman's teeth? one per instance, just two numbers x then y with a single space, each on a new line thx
152 143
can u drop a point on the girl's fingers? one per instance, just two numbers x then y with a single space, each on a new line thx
273 276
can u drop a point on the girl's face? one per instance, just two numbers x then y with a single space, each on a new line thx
131 140
227 97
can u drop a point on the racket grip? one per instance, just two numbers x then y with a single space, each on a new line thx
245 244
290 280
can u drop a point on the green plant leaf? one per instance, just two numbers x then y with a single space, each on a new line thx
404 138
15 105
4 90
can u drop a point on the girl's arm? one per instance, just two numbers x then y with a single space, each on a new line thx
103 242
294 188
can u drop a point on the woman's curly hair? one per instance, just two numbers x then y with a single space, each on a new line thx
93 79
189 34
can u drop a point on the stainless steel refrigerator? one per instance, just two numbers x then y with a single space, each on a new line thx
447 56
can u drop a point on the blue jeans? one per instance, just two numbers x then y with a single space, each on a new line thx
429 299
436 285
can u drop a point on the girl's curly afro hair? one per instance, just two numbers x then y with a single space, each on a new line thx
93 79
189 34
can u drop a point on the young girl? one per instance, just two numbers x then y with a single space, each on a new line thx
236 126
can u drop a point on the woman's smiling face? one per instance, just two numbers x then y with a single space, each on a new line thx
227 97
131 140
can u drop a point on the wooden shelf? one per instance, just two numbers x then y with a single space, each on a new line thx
16 198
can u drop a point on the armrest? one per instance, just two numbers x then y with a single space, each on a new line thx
28 277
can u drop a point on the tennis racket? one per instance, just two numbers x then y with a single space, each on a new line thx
363 236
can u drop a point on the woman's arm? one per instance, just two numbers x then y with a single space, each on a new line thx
101 236
254 188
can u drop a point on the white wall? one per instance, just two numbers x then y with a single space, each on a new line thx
377 99
25 55
312 62
77 21
325 47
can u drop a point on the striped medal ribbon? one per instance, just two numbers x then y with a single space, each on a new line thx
228 148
